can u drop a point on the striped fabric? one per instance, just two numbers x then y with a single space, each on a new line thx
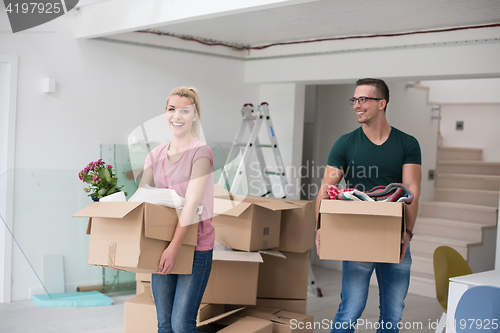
394 192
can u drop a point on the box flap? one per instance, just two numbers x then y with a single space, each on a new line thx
161 222
237 256
300 203
246 325
276 315
108 209
230 207
273 253
361 207
221 192
219 317
270 203
285 317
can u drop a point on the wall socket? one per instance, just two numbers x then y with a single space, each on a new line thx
460 125
431 175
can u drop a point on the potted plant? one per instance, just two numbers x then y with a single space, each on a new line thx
102 182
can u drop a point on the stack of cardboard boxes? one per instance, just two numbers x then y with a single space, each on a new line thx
273 284
132 236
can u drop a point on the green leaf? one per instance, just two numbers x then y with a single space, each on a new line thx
111 190
102 191
104 174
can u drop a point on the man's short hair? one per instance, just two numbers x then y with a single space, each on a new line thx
380 86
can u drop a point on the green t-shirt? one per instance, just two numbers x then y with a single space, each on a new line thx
366 165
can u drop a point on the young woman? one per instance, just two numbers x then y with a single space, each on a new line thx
186 165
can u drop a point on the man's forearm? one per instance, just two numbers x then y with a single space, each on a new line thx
411 215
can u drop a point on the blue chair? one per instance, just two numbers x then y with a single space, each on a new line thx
479 310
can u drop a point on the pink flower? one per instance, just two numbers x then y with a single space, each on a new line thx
86 190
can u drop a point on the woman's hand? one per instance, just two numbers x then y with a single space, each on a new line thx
167 260
318 240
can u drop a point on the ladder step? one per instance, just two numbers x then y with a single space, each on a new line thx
254 121
243 144
275 173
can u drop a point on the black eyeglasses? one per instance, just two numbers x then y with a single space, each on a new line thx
362 100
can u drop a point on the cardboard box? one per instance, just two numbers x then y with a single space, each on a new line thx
283 321
297 227
292 305
131 236
284 278
140 314
207 311
249 223
236 324
145 277
141 287
233 279
361 230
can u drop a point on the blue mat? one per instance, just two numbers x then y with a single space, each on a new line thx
90 298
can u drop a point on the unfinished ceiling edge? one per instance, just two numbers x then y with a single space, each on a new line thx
422 63
168 48
111 17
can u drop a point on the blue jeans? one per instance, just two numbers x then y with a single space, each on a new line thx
178 297
393 281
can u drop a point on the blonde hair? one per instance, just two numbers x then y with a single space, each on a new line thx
192 94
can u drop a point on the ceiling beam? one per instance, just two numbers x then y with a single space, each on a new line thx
106 18
445 61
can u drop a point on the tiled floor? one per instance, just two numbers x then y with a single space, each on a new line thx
26 317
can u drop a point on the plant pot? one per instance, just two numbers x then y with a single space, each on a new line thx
95 199
115 197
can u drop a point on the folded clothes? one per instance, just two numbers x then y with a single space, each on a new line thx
394 192
161 196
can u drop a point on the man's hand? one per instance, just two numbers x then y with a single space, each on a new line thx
318 239
167 260
405 241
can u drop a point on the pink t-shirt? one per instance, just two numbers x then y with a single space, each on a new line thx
176 175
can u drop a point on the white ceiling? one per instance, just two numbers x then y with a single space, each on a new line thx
332 18
254 23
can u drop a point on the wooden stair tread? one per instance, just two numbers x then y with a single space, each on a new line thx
441 240
461 224
421 254
468 176
467 162
421 257
471 191
423 277
459 205
461 149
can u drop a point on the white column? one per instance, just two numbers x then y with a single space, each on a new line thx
8 91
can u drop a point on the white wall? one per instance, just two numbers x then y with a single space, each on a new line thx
477 104
464 91
104 91
480 128
407 110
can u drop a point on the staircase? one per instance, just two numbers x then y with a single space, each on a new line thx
463 212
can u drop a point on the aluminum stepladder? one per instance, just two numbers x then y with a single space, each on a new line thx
253 119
